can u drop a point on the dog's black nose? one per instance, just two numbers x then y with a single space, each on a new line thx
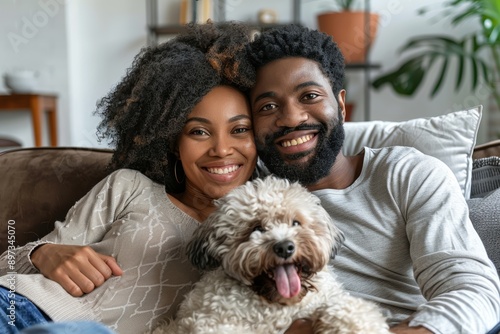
284 248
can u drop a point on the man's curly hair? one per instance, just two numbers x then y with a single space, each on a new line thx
144 114
293 40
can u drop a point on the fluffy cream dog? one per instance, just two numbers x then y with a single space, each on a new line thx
267 247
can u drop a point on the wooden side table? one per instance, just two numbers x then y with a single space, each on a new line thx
37 104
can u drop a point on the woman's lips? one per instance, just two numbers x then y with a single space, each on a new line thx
223 170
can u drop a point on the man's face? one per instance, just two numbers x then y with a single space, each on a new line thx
296 119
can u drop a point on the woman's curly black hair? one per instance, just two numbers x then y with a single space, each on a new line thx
144 114
297 41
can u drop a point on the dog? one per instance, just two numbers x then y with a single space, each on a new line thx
266 250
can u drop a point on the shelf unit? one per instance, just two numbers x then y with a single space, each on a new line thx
155 30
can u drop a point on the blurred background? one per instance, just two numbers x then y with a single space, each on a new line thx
78 50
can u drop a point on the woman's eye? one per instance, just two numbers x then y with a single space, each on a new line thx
296 223
241 130
198 132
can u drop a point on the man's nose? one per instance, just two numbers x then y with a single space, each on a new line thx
291 116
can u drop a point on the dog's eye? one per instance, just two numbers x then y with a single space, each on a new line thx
258 228
295 223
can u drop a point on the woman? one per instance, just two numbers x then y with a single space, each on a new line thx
183 137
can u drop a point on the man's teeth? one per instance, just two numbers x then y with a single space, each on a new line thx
225 170
298 141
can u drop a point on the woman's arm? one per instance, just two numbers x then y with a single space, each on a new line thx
63 255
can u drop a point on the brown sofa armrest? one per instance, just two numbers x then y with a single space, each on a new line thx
489 149
39 185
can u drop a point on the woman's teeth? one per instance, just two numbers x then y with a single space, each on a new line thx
295 142
225 170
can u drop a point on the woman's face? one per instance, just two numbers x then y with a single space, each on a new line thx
216 146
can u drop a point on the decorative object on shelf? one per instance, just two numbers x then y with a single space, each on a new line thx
349 29
267 16
479 50
204 11
21 81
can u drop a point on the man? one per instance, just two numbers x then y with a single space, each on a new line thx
410 245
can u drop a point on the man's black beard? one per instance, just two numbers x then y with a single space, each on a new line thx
329 146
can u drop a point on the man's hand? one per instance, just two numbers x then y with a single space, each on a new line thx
78 269
300 326
403 328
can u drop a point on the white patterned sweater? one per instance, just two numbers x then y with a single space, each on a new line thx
129 217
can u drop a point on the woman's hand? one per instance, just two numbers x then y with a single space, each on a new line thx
300 326
78 269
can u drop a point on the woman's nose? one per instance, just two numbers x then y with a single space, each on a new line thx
291 116
221 147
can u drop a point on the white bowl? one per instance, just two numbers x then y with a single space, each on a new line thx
21 81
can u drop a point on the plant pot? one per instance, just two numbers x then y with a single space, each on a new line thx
348 31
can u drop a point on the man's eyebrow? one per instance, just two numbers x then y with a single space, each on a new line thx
307 84
298 87
263 96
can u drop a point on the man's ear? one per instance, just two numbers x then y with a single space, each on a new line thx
341 102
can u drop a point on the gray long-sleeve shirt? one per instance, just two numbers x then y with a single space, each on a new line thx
410 245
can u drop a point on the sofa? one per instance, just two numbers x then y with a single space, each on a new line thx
39 185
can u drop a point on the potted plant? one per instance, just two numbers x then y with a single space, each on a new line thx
347 25
479 51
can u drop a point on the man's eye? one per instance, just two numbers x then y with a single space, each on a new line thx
310 96
268 107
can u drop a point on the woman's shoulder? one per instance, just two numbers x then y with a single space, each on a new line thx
130 177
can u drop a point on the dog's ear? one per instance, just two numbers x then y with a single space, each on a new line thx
201 250
338 241
336 235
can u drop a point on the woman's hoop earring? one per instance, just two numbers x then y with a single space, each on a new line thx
175 172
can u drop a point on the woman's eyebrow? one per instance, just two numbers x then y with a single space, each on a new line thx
239 117
197 119
206 121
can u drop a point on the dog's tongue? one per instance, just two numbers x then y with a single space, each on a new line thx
287 280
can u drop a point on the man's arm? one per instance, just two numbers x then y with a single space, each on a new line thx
450 263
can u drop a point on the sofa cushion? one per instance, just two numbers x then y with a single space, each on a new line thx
485 216
485 176
40 185
450 138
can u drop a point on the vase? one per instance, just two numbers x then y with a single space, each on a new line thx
348 30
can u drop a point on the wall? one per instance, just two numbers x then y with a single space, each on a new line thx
85 46
34 38
104 38
398 22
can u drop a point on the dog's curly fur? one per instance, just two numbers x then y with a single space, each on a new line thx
258 227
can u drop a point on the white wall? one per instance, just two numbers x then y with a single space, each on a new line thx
34 38
104 37
84 48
